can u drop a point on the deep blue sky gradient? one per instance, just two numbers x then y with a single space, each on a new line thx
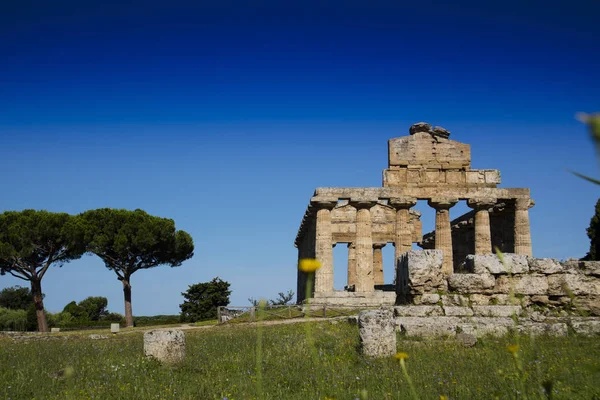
225 117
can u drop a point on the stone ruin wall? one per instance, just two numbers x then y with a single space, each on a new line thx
526 294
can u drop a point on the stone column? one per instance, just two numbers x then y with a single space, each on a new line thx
351 264
483 232
522 228
443 231
364 247
324 246
403 235
378 263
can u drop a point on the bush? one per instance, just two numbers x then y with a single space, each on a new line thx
156 320
13 320
202 300
60 319
113 317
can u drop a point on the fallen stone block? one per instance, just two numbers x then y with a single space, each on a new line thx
377 332
95 336
466 339
166 345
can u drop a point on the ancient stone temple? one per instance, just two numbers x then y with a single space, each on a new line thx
425 165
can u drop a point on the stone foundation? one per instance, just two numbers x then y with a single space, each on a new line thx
340 298
494 296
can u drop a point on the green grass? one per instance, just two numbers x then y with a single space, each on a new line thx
221 363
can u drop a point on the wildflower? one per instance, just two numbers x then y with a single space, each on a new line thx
512 348
401 356
309 265
442 397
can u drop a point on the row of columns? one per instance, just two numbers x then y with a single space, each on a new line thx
365 260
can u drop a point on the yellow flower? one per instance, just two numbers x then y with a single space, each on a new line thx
512 348
442 397
309 265
401 356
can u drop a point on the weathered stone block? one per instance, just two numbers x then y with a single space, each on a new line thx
427 299
542 328
418 311
94 336
413 176
491 264
522 284
497 311
423 270
425 327
466 339
453 311
583 267
492 176
458 300
475 177
115 328
590 304
166 345
433 177
480 299
545 266
578 284
54 330
482 326
586 327
470 283
455 177
377 333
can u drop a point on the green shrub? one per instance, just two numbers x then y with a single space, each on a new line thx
13 320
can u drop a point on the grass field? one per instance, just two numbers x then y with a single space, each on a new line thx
221 364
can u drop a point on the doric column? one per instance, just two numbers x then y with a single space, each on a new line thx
522 228
324 246
378 263
483 231
351 264
443 231
403 235
364 247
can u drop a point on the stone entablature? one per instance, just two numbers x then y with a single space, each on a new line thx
426 165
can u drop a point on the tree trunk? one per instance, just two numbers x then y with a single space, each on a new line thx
38 301
127 295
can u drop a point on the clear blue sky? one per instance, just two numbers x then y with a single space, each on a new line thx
226 118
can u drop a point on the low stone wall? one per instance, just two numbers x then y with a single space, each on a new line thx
494 296
544 285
